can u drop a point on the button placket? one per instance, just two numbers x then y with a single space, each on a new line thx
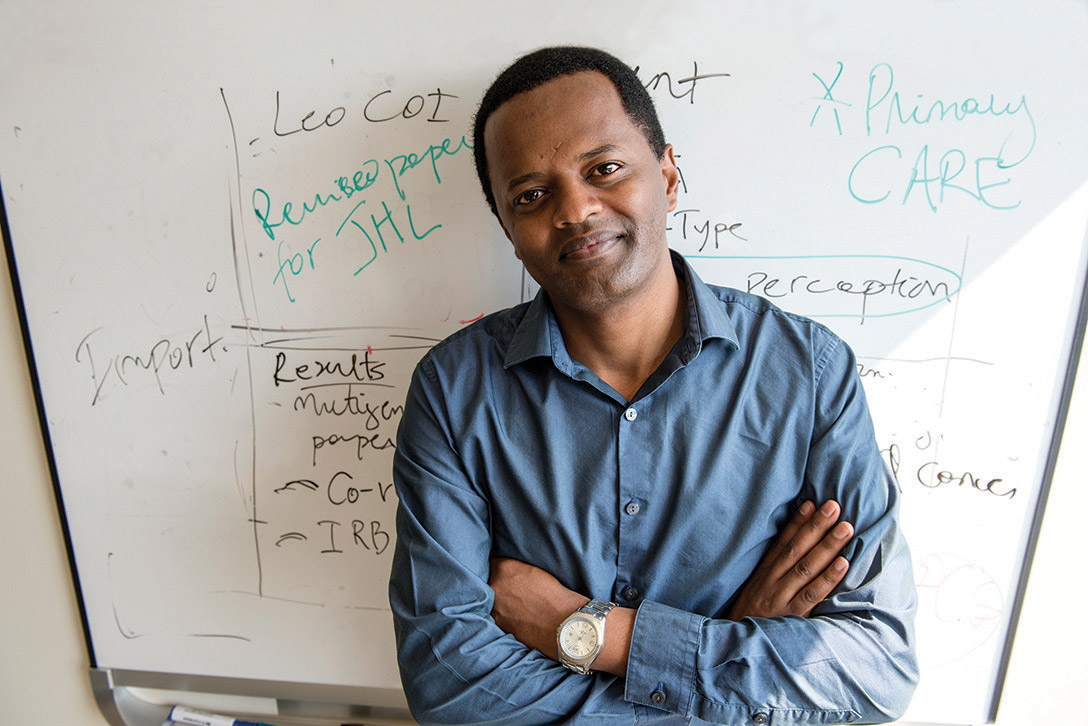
631 505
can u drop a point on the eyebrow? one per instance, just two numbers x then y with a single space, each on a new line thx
597 151
603 149
519 180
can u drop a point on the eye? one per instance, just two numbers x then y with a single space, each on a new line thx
528 197
606 169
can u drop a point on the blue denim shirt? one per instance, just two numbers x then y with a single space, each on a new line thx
510 448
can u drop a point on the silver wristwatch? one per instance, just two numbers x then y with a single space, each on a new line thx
581 636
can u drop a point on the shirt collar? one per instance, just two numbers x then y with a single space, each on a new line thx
706 313
538 332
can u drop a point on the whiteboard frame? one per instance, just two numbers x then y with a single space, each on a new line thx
118 694
1075 349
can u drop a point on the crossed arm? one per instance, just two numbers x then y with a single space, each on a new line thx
801 569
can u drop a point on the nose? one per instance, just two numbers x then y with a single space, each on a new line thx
576 201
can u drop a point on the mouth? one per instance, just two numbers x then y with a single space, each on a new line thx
588 246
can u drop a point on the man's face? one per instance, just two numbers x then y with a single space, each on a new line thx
580 193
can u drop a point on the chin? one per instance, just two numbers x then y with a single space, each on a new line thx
593 296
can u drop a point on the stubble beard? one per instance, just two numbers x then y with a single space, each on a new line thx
601 290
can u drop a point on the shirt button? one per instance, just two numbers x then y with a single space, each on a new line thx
760 718
658 697
630 414
632 508
630 593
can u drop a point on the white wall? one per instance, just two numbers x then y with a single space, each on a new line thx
43 662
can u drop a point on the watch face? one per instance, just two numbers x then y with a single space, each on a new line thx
579 638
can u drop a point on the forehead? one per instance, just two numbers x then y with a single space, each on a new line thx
564 114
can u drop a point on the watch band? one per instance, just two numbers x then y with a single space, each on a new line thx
597 608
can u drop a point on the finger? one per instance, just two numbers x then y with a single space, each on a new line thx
807 537
815 592
814 565
800 518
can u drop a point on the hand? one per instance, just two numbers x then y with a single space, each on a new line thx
530 604
801 569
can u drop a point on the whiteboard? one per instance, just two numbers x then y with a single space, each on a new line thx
236 229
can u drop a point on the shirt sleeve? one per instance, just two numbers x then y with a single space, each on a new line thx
457 666
853 660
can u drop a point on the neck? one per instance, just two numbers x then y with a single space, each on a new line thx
626 342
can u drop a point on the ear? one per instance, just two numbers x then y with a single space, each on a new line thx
670 175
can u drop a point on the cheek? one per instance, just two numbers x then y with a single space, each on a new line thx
527 238
513 235
663 204
524 248
645 202
651 210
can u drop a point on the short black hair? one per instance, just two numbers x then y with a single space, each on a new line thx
546 64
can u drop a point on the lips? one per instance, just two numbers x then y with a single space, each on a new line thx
589 245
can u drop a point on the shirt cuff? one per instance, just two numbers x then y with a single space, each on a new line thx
661 666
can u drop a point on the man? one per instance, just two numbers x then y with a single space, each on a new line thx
638 438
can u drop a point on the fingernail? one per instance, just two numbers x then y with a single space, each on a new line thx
841 530
839 565
806 509
829 509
